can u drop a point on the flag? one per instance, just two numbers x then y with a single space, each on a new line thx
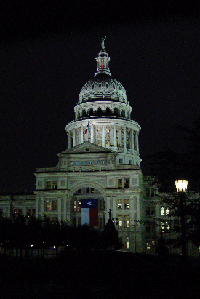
87 128
89 212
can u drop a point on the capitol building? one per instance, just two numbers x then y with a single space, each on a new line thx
98 176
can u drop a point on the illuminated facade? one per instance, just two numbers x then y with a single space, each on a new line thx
102 161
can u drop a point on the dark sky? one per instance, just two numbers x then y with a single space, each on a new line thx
48 51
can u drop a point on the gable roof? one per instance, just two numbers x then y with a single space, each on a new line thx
87 147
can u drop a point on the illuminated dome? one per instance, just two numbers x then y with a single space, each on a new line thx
103 86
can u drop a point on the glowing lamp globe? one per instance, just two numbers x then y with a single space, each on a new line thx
181 185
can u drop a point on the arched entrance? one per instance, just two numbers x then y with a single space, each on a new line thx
88 200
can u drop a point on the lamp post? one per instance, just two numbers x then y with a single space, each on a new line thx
181 186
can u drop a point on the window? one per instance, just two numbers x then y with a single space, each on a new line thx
126 204
50 205
148 246
39 183
74 208
48 184
92 190
167 211
126 221
119 221
152 192
84 162
119 183
87 190
152 211
47 205
96 162
54 205
148 211
120 161
126 183
90 162
162 211
79 205
62 183
103 162
77 162
127 243
119 204
55 185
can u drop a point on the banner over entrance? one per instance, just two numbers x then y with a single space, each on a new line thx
89 212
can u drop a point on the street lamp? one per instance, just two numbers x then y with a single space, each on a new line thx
181 186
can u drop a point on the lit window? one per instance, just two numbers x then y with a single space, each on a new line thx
120 220
119 205
162 226
92 190
167 211
103 162
79 205
126 221
107 130
74 206
77 162
90 162
148 245
126 204
47 205
162 212
127 243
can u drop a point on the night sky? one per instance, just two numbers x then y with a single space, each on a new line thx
48 51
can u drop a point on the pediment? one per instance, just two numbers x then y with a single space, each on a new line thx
87 147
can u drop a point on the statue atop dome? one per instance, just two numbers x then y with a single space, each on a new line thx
103 43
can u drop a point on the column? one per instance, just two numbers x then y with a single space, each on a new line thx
37 207
132 139
64 208
92 133
115 139
81 134
74 137
125 149
69 140
137 142
41 212
59 209
103 136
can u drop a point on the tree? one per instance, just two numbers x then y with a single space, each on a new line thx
110 236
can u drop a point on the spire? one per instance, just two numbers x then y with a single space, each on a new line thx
103 60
